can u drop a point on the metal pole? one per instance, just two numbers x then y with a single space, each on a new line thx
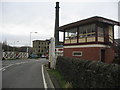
30 39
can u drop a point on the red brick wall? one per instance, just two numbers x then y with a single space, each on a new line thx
109 53
91 53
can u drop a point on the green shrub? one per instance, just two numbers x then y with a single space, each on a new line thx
89 74
117 61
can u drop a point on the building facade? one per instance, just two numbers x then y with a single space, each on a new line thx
90 39
41 47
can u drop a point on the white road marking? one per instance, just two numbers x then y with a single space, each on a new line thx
4 68
45 85
23 62
17 63
7 66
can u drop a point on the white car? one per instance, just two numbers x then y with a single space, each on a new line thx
43 56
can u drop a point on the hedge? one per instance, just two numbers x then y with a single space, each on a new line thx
117 61
89 74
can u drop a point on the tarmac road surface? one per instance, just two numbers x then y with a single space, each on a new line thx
22 73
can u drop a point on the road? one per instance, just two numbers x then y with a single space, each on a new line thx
23 73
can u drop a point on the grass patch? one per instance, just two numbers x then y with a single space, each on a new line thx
58 77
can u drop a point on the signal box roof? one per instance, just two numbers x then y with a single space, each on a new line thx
88 21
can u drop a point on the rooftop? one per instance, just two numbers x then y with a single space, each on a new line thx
41 40
89 20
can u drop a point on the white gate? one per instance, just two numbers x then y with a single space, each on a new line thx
15 55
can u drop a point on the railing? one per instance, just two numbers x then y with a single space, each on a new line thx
114 44
83 37
107 39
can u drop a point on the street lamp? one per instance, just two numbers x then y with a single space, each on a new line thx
30 36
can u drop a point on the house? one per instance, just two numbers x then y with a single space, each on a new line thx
90 39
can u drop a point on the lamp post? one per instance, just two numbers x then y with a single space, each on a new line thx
30 36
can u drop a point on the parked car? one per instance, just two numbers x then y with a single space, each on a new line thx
33 56
43 56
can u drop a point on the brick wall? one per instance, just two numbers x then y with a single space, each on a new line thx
91 53
109 55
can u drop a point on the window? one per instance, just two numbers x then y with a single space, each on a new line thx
87 33
81 31
72 33
71 36
100 32
87 30
38 50
77 53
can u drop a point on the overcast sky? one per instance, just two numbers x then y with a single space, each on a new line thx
20 17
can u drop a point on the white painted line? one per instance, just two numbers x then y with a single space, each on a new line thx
7 66
44 82
37 60
10 65
3 69
18 63
23 62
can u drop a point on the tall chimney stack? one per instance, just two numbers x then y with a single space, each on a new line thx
56 33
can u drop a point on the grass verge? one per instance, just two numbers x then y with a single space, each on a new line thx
58 77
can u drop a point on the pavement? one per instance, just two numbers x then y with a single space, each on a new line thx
53 80
48 79
25 74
